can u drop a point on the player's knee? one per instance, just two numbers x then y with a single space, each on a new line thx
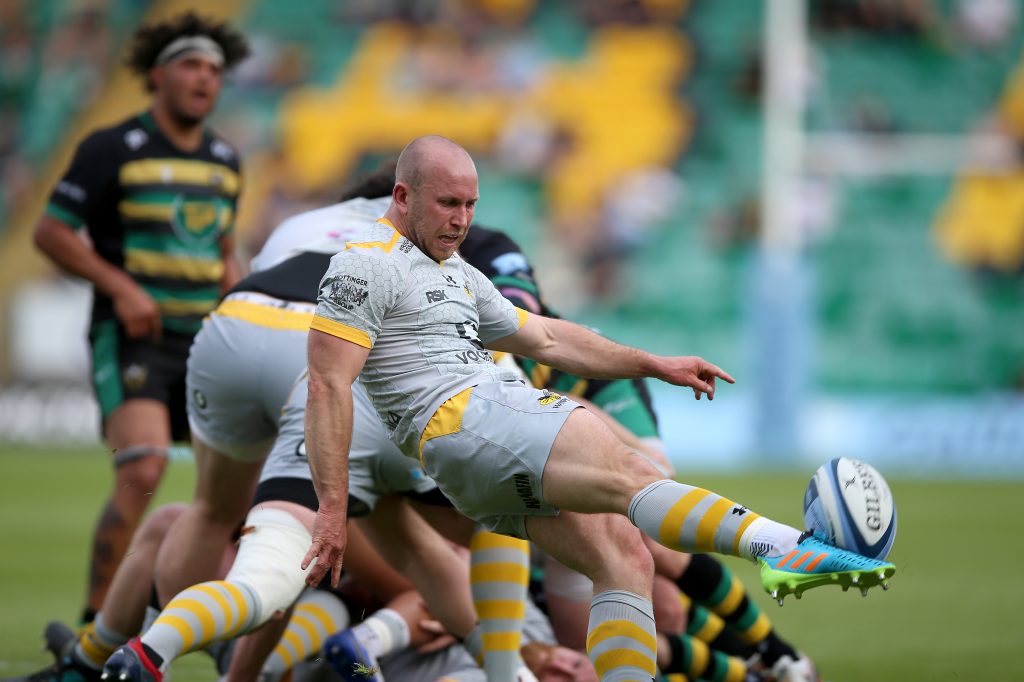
638 470
269 555
155 527
140 476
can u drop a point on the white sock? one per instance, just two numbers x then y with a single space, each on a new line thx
768 538
383 633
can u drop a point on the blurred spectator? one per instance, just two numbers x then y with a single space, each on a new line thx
633 209
987 23
888 17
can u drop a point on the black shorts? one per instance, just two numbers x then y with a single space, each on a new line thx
123 369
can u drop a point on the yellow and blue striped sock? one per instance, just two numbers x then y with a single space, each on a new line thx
621 639
318 615
199 615
499 576
690 519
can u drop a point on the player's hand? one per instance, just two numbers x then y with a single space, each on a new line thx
442 639
695 372
329 537
138 312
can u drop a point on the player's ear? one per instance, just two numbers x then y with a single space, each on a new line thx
400 195
155 78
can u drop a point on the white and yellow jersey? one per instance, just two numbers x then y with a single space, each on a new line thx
425 322
322 230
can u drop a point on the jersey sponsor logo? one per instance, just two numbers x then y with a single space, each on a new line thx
70 189
135 138
509 263
468 330
348 293
436 296
524 489
468 356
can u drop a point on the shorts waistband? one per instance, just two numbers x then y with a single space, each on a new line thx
267 311
264 299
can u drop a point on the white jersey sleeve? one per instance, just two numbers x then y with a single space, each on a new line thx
498 317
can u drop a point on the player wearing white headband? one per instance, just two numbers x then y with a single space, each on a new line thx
157 195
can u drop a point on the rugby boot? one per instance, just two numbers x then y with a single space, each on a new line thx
814 563
350 659
132 663
60 640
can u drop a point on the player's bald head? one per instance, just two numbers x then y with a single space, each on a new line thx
426 156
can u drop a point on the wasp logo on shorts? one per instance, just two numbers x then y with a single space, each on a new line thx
348 292
549 398
199 399
134 376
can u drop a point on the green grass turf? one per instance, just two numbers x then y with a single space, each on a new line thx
952 612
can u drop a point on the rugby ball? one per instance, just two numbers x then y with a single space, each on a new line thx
849 504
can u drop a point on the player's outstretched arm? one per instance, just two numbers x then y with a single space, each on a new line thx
575 349
334 365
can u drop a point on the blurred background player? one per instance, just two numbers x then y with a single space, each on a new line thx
157 194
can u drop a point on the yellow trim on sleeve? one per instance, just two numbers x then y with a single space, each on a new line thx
522 315
342 331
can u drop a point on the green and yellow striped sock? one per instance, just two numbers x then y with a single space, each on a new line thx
199 615
621 640
712 584
693 658
710 629
499 576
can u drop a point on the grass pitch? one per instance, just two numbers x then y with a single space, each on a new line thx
953 611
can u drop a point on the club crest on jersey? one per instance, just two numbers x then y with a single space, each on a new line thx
199 220
134 376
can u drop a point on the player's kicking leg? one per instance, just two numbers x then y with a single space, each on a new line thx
589 470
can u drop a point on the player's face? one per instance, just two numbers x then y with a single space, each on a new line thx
440 210
189 87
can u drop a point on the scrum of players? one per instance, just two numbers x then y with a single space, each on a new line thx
386 401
